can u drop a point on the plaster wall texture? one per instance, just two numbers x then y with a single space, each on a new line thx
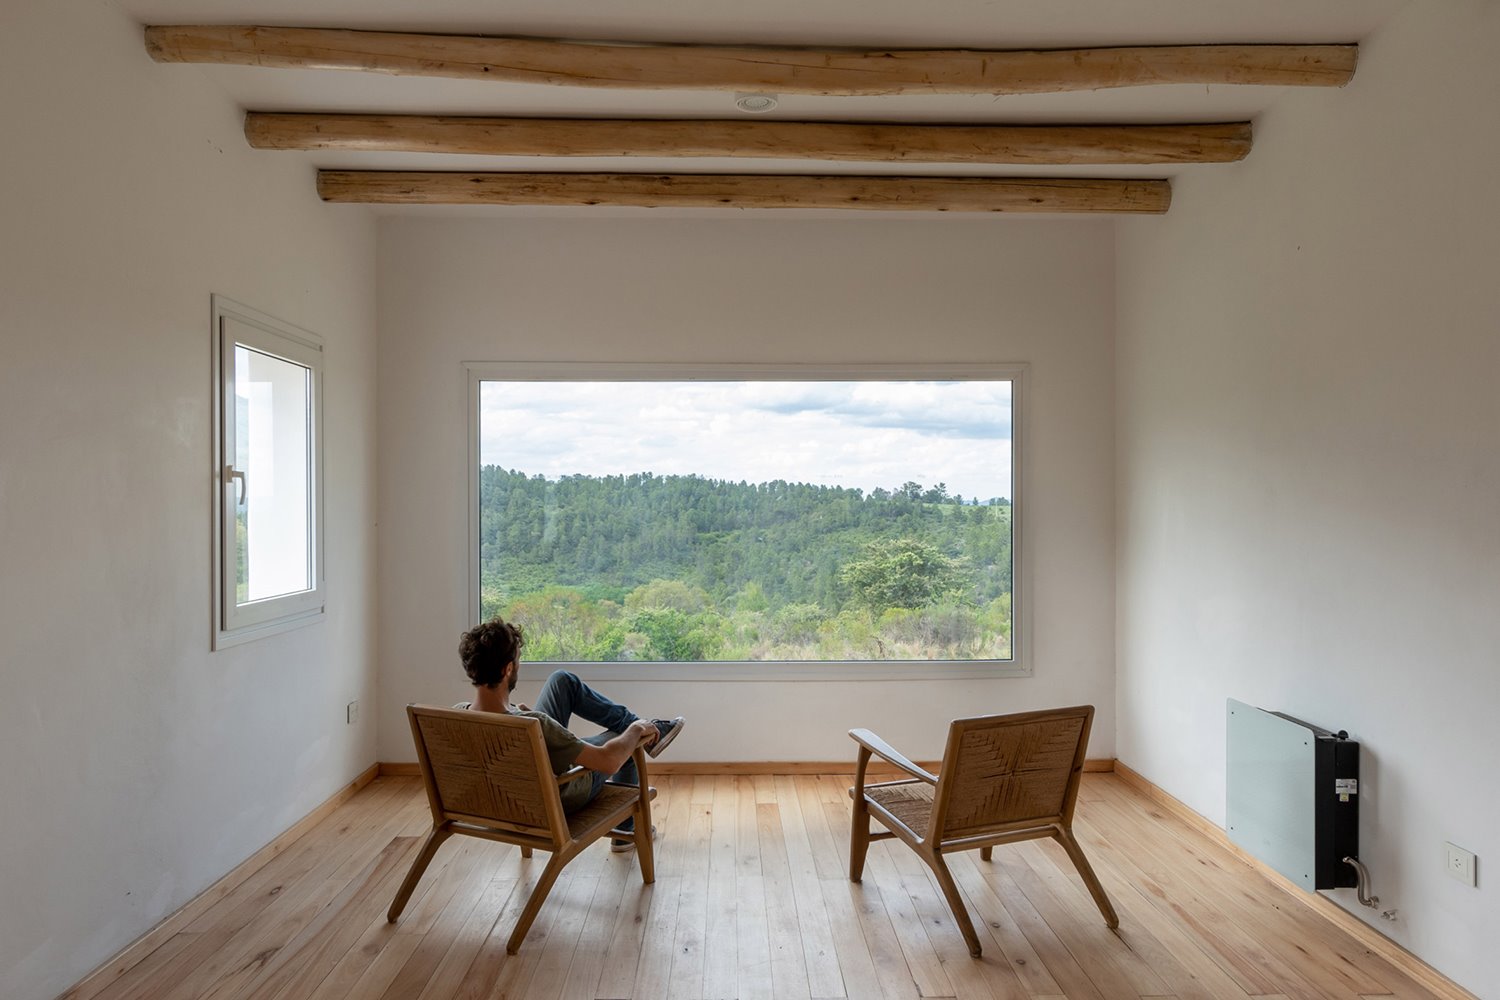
631 288
1307 469
139 766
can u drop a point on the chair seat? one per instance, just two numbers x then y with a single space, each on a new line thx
910 803
612 804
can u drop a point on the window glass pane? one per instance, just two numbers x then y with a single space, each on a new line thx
272 511
752 520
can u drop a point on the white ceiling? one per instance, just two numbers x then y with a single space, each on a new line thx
867 23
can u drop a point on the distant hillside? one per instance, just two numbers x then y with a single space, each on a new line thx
790 542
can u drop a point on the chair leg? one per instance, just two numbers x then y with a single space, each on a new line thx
418 866
955 902
1086 872
525 852
987 853
554 868
643 846
859 839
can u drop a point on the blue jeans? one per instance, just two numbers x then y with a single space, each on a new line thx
564 696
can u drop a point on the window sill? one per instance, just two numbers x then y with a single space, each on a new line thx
249 633
773 671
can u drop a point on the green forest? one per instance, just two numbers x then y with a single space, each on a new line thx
673 568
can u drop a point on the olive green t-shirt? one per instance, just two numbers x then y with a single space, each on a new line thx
562 753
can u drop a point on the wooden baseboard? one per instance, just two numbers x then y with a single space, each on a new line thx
406 769
788 767
1441 986
96 981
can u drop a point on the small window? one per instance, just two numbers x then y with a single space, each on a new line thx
268 444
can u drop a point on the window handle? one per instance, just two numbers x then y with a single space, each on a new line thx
230 475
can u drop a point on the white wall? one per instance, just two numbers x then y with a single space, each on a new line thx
138 766
1308 468
634 288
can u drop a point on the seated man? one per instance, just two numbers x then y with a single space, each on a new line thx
491 654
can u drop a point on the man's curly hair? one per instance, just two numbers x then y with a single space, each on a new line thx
488 648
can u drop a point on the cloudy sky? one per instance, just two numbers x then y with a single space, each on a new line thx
858 434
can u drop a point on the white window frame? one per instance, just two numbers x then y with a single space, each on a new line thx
1019 665
234 623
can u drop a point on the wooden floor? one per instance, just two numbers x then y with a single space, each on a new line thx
752 900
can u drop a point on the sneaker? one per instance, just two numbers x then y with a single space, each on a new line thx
619 846
667 730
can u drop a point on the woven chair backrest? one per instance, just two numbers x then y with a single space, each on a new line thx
1008 770
482 766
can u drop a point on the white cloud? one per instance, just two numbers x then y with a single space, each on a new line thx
857 434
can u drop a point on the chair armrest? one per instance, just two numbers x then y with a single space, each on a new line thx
639 756
886 752
572 774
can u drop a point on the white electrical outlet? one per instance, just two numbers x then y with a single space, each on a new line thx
351 713
1460 864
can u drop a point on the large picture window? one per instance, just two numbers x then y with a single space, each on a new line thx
634 515
268 564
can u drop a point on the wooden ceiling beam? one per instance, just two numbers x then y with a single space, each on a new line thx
995 144
926 194
827 71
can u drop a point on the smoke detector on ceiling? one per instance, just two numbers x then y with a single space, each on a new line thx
755 104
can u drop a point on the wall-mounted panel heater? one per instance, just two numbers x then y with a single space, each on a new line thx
1293 796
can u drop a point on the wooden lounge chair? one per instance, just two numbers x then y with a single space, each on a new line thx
487 775
1004 778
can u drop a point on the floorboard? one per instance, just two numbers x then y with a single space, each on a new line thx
752 903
